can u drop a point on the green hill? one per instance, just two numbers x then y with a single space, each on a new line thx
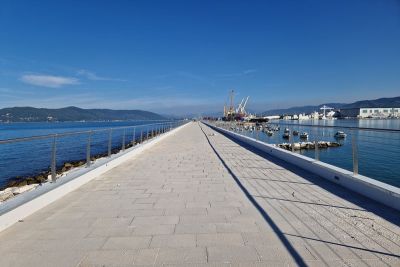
30 114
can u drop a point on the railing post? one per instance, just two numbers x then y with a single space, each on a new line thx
109 142
291 138
53 160
355 152
316 150
123 139
141 136
134 136
147 129
256 132
88 149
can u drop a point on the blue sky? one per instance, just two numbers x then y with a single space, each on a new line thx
184 56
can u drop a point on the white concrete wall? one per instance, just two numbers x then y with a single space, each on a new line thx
379 112
22 211
373 189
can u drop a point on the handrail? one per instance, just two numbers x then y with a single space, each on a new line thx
48 136
337 126
232 126
146 131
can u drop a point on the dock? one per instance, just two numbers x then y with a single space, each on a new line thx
200 198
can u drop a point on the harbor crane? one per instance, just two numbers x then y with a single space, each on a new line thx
325 108
232 113
242 106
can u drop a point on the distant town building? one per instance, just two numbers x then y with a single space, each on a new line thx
370 112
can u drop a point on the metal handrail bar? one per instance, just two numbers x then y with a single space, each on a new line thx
337 126
41 137
165 126
354 142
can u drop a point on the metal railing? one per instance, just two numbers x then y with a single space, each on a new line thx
130 136
369 144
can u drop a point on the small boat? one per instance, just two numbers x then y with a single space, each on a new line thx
295 132
286 130
270 133
286 135
340 134
304 135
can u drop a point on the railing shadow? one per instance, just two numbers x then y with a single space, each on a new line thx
357 199
295 255
344 245
309 203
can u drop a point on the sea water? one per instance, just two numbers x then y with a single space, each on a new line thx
378 151
28 158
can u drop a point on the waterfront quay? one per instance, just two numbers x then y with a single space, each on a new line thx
199 198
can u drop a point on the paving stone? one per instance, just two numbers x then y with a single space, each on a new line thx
203 228
181 256
213 240
108 258
124 243
173 241
146 257
162 229
149 220
189 219
232 254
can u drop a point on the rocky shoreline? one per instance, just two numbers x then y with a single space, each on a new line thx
308 145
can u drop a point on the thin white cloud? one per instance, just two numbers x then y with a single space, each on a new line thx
48 80
238 74
94 77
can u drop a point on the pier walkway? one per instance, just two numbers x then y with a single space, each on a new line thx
200 199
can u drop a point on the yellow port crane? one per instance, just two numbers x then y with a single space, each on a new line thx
229 113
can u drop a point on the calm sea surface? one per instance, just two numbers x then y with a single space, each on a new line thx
378 151
31 157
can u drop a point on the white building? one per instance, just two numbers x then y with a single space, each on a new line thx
379 112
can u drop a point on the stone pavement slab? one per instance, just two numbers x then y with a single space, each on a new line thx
200 199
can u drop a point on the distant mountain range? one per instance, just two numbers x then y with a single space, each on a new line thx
377 103
30 114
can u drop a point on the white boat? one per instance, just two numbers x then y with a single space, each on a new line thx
286 135
340 134
286 130
304 135
270 133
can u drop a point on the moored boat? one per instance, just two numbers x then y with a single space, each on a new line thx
340 134
304 135
286 135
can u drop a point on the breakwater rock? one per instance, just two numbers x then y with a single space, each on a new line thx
308 145
13 191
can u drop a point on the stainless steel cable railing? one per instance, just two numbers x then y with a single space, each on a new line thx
373 152
98 143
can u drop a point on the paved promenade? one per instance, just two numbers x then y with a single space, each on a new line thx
199 199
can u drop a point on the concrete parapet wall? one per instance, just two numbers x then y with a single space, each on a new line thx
368 187
34 201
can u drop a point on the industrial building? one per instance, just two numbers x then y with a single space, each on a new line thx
370 112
